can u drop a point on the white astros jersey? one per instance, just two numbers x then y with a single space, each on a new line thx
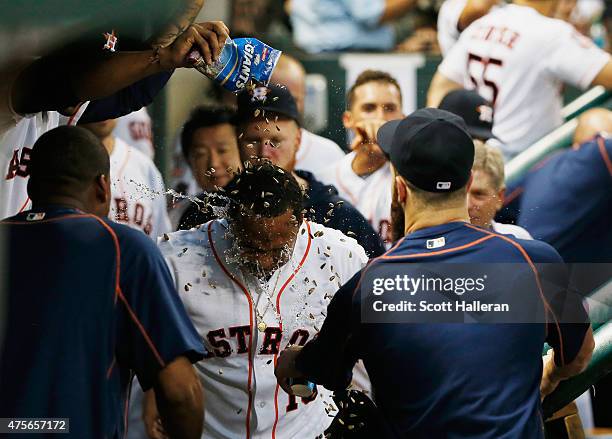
243 398
316 153
370 195
136 188
15 148
519 59
135 130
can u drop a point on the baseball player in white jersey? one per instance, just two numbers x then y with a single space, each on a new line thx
15 148
370 194
518 59
315 152
252 284
136 185
135 130
364 176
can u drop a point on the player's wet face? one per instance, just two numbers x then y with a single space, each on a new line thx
484 200
376 100
275 139
214 156
264 244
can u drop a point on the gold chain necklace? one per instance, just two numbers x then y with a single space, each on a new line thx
259 317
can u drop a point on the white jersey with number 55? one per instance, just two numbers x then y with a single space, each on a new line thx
237 318
519 59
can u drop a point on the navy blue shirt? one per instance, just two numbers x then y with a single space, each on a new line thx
567 202
445 380
90 302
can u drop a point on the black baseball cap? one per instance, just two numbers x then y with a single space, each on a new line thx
272 98
431 148
475 110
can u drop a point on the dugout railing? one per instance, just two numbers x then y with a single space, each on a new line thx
561 137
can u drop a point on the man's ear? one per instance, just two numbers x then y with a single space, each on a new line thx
298 139
470 181
401 190
102 188
501 197
347 120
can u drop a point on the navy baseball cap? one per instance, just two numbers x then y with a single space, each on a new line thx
475 110
431 148
272 98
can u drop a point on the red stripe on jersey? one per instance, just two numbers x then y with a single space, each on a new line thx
289 279
248 296
74 115
22 208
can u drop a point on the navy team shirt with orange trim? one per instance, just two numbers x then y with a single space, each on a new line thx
445 380
567 202
89 301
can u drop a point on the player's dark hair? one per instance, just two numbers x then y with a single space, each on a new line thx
370 76
65 161
262 188
204 116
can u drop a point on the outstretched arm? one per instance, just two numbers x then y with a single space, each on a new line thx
59 81
440 86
